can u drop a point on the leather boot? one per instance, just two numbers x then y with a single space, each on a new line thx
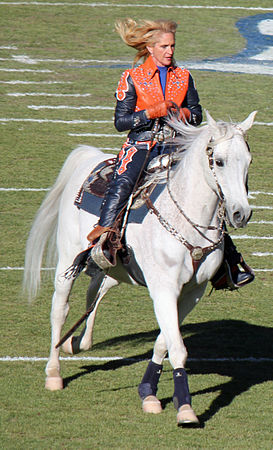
96 233
229 276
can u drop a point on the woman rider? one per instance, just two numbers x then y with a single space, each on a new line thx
145 94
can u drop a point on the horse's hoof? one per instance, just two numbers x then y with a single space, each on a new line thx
186 416
67 346
54 383
151 405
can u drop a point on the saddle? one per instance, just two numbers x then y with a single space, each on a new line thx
99 178
104 252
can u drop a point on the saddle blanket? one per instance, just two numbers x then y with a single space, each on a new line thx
92 192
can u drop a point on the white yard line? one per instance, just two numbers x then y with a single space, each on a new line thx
96 135
5 120
261 207
44 94
37 108
246 236
122 358
253 69
34 82
262 254
19 269
23 189
261 222
117 149
28 60
135 5
8 47
260 193
46 269
27 70
218 66
13 119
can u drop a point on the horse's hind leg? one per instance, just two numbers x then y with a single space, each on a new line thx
59 311
76 344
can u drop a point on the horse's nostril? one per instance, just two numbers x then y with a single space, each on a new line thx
237 216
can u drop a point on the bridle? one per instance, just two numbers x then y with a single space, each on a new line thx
197 252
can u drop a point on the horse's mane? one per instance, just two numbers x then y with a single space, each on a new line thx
186 136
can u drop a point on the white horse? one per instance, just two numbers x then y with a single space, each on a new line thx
178 246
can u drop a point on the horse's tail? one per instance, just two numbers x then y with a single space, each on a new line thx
43 234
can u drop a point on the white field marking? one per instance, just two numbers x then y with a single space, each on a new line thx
48 269
23 59
44 94
24 189
45 269
121 358
260 192
135 5
117 149
268 124
8 47
27 70
265 27
261 222
95 135
261 207
265 55
54 121
246 236
230 67
27 60
34 82
12 119
262 254
37 108
263 270
197 65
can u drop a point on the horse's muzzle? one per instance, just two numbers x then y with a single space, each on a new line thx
240 217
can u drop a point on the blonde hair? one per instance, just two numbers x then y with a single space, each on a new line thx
144 33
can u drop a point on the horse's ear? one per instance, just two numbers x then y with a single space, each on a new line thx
248 122
210 121
214 130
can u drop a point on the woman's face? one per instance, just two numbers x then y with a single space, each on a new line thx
162 52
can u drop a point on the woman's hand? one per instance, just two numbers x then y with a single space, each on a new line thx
159 109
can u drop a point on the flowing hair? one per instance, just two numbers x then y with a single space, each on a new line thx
145 32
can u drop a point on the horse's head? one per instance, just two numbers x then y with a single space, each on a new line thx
229 160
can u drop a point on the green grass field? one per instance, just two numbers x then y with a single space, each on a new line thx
64 49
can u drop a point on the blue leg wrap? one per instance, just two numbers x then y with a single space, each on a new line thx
148 385
181 394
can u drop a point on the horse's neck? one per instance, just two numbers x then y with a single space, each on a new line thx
192 191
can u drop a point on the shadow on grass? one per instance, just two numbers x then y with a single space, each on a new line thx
237 350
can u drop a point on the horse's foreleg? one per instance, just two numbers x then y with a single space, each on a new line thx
181 397
148 387
168 319
59 313
189 298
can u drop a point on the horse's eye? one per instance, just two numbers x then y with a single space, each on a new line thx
219 162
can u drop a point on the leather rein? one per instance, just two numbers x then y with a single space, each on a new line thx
196 252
